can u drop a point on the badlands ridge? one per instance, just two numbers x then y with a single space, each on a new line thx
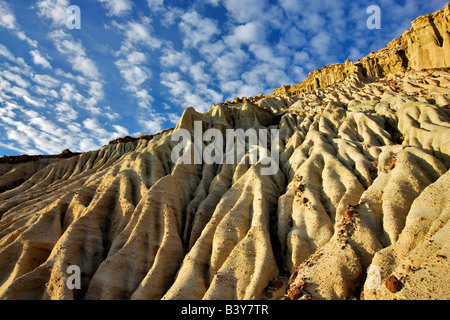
363 184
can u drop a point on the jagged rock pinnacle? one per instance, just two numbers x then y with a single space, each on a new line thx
362 184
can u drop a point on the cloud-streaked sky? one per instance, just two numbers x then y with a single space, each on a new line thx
135 65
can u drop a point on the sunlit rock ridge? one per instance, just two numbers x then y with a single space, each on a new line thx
363 184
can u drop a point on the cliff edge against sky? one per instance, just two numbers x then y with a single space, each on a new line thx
359 207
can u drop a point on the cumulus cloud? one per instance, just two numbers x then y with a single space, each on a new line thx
94 126
132 61
8 21
35 133
65 112
172 58
40 60
155 5
251 32
133 74
197 29
244 11
185 94
76 54
6 53
138 33
7 18
46 80
152 123
321 44
69 93
54 10
15 78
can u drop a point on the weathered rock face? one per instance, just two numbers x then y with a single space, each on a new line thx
363 181
426 45
428 41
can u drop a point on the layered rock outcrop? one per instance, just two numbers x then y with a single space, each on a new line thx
426 45
362 185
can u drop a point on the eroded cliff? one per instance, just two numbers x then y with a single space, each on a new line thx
363 181
426 45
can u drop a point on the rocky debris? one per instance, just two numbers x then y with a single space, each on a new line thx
393 284
141 137
26 158
276 288
16 170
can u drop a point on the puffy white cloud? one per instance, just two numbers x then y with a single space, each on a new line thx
197 29
292 6
173 81
15 78
7 18
66 113
111 115
174 118
117 7
320 44
50 94
76 54
215 3
265 53
32 101
244 11
85 66
17 92
170 15
227 66
94 126
46 80
120 131
173 58
88 144
8 21
185 94
138 33
211 51
132 61
155 5
198 73
39 59
36 134
69 93
4 51
144 98
135 75
19 150
136 57
251 32
355 54
54 10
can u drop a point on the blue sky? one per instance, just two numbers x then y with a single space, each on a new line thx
135 65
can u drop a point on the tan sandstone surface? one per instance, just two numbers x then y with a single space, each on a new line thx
363 182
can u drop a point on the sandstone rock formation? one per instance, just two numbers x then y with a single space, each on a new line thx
426 45
363 182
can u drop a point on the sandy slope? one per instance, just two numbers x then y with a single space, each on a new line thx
363 181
